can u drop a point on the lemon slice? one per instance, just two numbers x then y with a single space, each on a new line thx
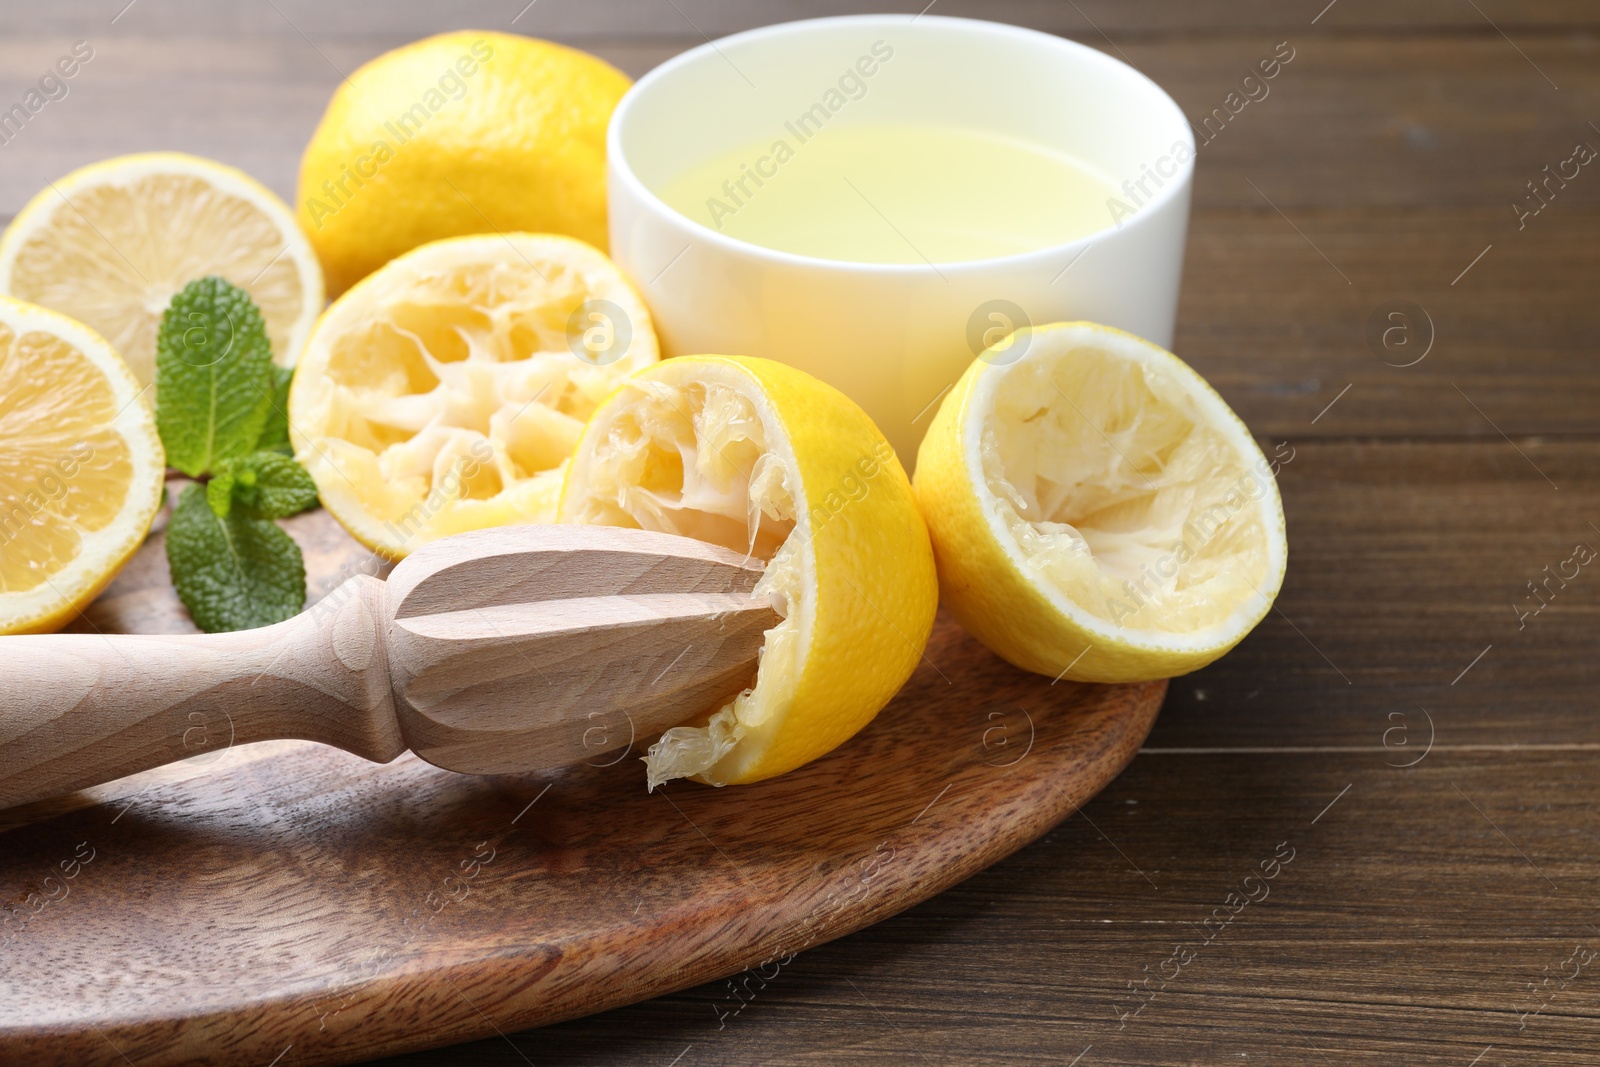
1097 510
761 458
445 392
111 243
81 467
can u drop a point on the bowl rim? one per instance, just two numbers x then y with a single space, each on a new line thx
621 169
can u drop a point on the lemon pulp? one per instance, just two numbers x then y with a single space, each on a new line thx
81 467
55 411
1121 496
695 460
445 392
766 460
1097 511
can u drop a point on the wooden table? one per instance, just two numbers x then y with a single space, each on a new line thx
1426 753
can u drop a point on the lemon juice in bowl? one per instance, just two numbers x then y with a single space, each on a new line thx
873 198
894 193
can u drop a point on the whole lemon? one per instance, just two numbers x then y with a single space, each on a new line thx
465 132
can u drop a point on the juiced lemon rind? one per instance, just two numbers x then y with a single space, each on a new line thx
445 391
1098 512
763 459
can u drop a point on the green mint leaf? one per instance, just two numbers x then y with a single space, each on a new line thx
275 437
262 485
214 376
236 573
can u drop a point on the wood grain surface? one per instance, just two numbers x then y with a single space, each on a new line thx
285 895
1430 911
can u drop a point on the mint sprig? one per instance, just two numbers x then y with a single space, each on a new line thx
234 573
262 485
214 381
275 435
221 409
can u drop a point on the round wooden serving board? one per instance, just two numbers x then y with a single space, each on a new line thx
289 900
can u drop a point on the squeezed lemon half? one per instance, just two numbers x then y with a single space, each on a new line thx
81 467
111 243
764 459
445 392
1097 510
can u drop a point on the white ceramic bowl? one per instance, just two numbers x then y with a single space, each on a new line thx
894 337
